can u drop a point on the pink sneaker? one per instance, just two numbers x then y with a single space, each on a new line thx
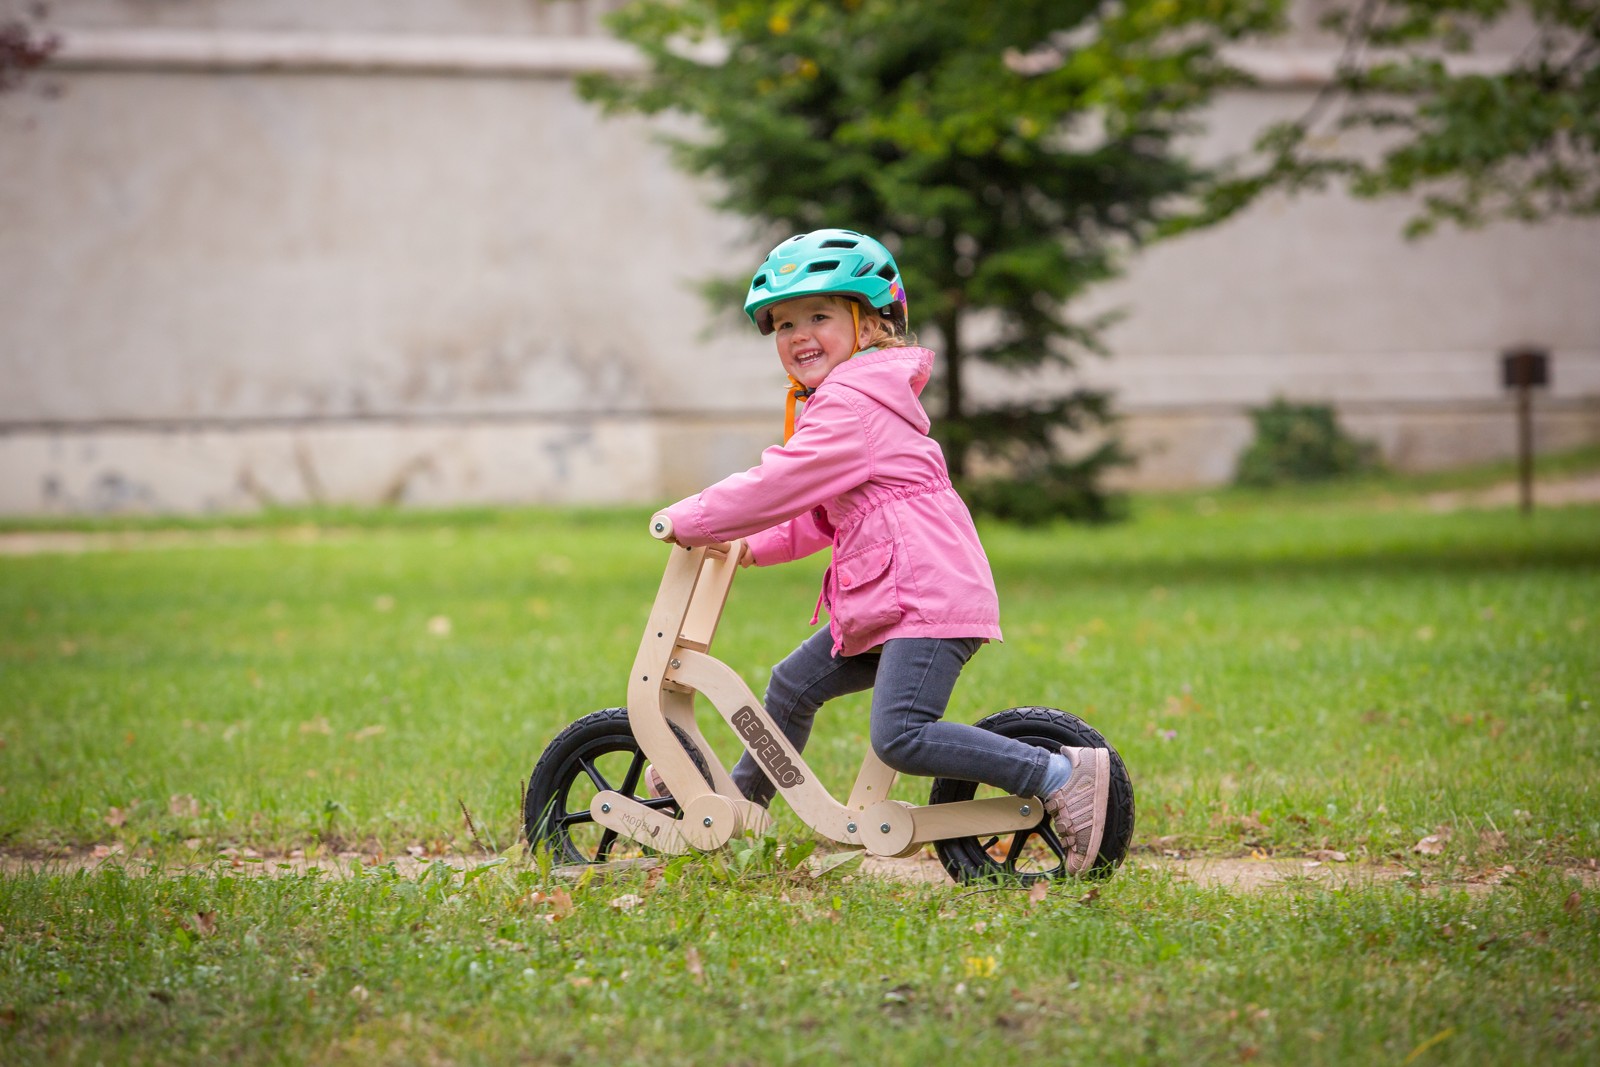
1078 809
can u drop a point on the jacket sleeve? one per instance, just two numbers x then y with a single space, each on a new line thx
792 540
829 454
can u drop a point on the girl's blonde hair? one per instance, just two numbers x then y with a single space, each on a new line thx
883 333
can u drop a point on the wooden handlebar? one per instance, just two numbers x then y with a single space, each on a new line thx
660 526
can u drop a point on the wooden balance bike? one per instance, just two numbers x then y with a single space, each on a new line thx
588 801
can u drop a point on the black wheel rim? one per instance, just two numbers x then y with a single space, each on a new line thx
613 763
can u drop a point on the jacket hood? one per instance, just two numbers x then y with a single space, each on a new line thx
894 377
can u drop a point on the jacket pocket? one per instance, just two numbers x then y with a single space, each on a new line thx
866 595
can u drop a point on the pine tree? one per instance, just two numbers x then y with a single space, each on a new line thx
1009 154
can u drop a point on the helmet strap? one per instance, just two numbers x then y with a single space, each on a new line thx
797 392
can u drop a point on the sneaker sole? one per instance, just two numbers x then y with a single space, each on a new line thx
1102 797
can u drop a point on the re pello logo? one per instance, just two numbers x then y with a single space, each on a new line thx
759 740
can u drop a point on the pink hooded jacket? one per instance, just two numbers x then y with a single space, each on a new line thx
862 476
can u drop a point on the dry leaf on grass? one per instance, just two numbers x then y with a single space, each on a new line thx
626 902
183 805
1573 904
1328 855
1038 893
1434 843
116 817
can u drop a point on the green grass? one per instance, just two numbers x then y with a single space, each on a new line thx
1334 668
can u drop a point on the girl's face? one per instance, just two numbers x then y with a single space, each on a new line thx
814 335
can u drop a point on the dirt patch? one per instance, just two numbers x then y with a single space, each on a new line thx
1241 874
1553 493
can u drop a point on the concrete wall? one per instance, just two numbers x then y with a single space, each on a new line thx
283 252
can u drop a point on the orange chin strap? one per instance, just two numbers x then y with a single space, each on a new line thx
798 392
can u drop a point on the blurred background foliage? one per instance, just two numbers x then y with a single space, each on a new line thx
1010 156
1014 155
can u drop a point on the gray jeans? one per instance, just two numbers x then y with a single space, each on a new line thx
911 680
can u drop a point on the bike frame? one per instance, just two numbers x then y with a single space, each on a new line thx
674 663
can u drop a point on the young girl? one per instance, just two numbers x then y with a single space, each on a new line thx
909 594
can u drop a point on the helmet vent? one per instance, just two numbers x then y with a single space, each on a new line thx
887 273
823 264
838 243
760 282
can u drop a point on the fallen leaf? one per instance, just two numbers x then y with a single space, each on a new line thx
561 903
1434 843
830 863
1091 896
183 805
1038 893
359 993
1492 839
581 980
204 923
100 852
116 817
1328 855
626 902
1573 904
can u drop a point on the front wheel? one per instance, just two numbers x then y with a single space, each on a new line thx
1034 854
596 753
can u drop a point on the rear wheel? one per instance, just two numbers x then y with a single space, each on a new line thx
1036 853
596 753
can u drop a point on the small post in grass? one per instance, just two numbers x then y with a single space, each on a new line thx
1521 369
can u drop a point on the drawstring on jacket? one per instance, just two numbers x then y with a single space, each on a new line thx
798 392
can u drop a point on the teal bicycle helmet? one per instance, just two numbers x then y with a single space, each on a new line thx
832 263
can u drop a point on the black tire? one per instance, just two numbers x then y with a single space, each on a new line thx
595 753
1032 855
